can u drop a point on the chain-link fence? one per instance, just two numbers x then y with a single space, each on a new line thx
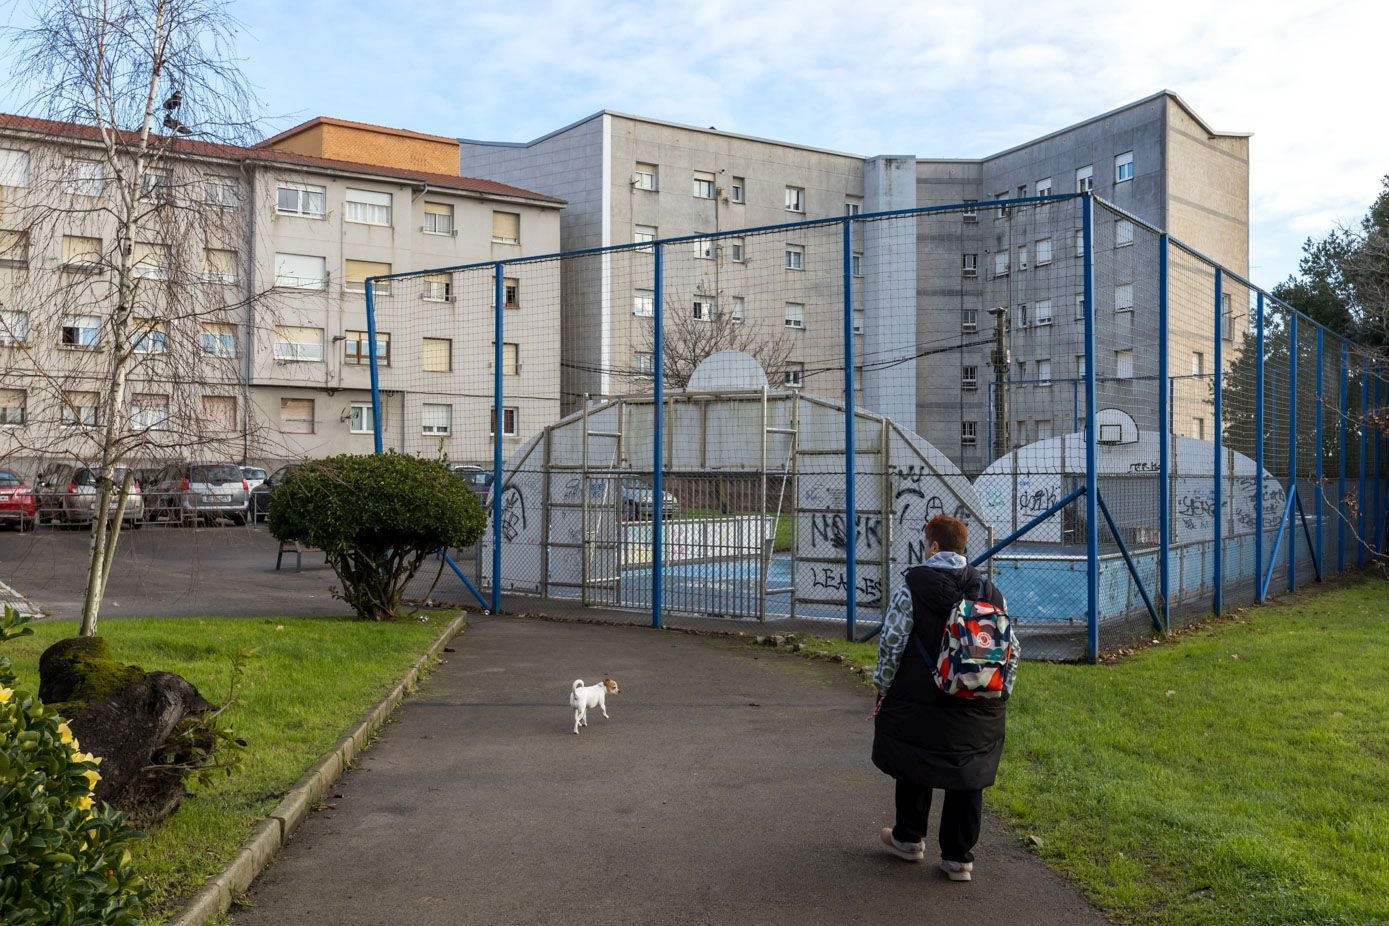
754 425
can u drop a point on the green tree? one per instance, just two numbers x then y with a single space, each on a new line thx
376 518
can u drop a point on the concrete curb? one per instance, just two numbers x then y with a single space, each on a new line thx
270 834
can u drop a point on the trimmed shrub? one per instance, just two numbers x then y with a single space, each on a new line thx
63 860
376 518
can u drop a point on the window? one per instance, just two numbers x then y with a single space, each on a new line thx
14 248
356 348
79 408
355 273
856 264
149 412
80 331
969 319
795 257
1044 187
703 308
219 266
14 167
1002 211
969 265
1123 297
1080 366
858 321
969 377
644 177
1198 363
737 191
703 248
970 213
1021 316
157 186
293 343
739 310
81 253
1041 312
218 339
794 377
795 315
1080 242
1123 167
1123 233
511 358
1198 428
436 418
506 227
1044 372
853 207
223 192
1123 364
12 407
301 271
296 416
367 207
151 261
151 337
219 412
438 219
511 293
645 234
1227 315
644 303
737 250
1022 371
795 199
14 327
1044 429
85 177
509 422
1085 179
362 418
644 364
436 355
1001 264
1080 306
1043 252
1022 257
969 433
438 287
301 199
703 186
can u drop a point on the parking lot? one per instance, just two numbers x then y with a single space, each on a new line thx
169 571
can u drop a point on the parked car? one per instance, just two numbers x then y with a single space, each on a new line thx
17 503
200 491
477 478
66 493
253 475
260 495
638 500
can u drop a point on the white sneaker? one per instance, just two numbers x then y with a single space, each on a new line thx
911 851
957 871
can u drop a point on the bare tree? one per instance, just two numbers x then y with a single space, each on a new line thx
702 328
123 320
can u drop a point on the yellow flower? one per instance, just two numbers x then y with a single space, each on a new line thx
86 757
82 803
5 694
64 732
92 777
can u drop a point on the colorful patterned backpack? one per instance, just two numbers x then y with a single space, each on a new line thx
978 651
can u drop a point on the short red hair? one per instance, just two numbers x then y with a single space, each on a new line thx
947 532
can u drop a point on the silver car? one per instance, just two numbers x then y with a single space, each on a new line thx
200 491
67 494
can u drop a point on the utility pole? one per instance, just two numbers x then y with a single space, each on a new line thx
1000 359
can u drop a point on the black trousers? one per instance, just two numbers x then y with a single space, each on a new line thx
960 816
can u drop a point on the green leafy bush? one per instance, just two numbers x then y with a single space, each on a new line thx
63 861
376 518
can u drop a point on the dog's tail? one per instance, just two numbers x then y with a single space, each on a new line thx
578 683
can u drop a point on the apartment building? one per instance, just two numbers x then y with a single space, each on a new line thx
257 324
935 288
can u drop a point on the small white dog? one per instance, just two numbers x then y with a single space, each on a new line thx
581 698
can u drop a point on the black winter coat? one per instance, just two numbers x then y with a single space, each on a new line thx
922 735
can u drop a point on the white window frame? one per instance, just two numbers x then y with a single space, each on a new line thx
285 280
14 167
648 180
969 377
702 308
379 288
304 194
1043 188
1020 316
14 327
971 211
794 376
1080 243
1044 373
1123 297
80 416
509 412
644 363
738 190
145 416
737 249
217 343
1123 233
1041 312
969 319
437 290
1085 178
361 418
220 276
795 316
703 248
286 351
856 264
1022 257
644 303
645 234
702 185
435 429
1080 306
505 239
795 256
13 411
432 220
90 185
1123 167
82 324
1123 363
1000 263
739 309
853 207
969 433
795 199
222 191
969 265
1198 363
150 338
1043 254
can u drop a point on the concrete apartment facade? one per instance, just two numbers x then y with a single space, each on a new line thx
297 233
934 287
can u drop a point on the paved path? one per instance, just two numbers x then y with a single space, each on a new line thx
726 788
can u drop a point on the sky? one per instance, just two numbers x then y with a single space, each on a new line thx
934 79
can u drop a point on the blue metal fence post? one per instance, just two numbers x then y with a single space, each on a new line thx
1292 448
370 285
1092 527
1218 470
1321 396
1341 460
850 499
1165 438
498 428
658 412
1364 449
1259 449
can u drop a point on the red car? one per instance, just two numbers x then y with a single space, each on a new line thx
17 504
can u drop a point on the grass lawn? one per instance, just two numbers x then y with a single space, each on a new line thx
306 682
1238 774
